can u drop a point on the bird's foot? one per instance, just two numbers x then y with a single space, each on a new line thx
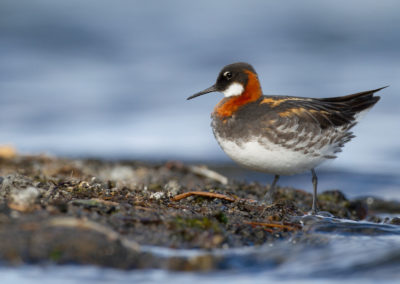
324 214
313 211
268 198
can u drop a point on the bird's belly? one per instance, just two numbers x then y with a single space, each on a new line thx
262 155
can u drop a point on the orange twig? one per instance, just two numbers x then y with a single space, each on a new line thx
204 194
271 225
268 230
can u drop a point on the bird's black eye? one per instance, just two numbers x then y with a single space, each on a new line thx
228 75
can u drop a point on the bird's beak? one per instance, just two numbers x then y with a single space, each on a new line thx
213 88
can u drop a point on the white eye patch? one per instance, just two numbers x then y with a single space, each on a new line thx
228 75
235 89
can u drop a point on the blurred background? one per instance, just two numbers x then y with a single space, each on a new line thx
110 79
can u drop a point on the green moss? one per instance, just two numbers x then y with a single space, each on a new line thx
327 198
204 223
87 203
153 187
221 217
56 255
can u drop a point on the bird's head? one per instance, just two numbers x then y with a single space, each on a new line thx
235 80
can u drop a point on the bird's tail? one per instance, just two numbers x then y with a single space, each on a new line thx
356 103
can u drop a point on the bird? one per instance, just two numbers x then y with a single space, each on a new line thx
281 135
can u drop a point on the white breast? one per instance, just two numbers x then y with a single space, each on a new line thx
262 155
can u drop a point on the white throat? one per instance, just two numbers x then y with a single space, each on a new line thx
235 89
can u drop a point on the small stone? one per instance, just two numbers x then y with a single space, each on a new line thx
172 188
217 240
23 199
122 173
157 195
374 219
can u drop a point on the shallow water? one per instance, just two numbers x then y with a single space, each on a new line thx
329 250
353 184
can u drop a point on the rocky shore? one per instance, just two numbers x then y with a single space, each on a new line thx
117 213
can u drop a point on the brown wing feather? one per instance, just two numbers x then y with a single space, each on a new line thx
327 112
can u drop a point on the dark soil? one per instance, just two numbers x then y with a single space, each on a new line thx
105 213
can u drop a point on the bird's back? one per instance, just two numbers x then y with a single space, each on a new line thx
306 129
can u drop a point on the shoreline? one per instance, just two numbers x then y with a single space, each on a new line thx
102 212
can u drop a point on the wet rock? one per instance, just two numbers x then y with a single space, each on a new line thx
358 209
378 205
395 221
374 219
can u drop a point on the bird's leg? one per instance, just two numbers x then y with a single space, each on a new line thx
314 209
270 195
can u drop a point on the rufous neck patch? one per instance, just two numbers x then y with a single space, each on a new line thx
227 106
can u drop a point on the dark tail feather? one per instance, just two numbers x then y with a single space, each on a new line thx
356 102
353 96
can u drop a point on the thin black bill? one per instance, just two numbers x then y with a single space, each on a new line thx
211 89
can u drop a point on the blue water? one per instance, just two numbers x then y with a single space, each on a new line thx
353 184
110 78
348 255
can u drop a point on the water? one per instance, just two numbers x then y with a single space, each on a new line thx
110 79
353 184
329 250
